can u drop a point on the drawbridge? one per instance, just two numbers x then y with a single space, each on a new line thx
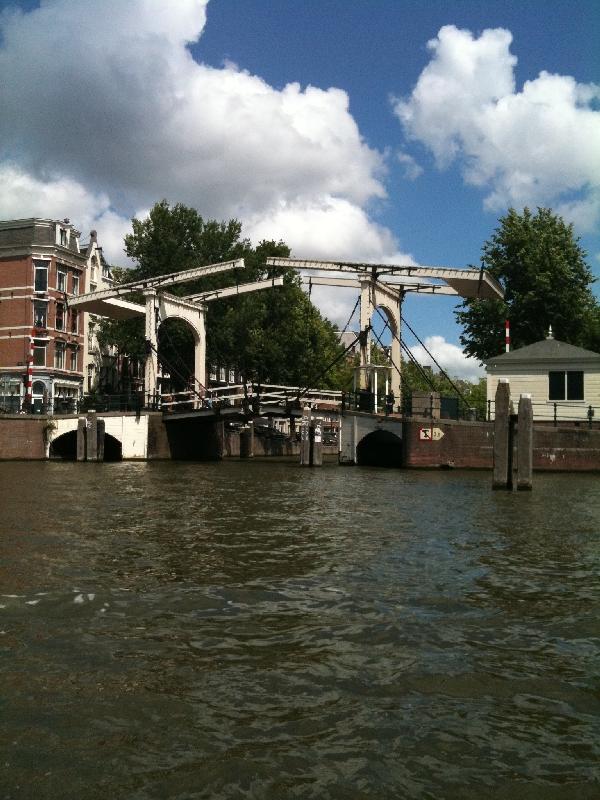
380 286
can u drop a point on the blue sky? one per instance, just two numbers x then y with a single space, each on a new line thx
389 148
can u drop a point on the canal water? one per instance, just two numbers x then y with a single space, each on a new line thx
258 630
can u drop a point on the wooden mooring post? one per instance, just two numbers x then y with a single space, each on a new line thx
502 477
505 422
525 444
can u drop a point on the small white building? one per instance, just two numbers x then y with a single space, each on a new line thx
561 378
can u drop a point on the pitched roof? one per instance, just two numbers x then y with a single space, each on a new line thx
547 351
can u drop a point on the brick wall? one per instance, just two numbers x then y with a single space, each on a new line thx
464 444
470 445
566 449
22 438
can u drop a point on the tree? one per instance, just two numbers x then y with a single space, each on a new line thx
272 336
543 271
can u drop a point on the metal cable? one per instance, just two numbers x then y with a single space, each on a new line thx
441 369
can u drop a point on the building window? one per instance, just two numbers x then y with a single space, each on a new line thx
73 366
59 355
565 385
59 323
90 377
63 237
75 284
39 355
61 280
41 278
74 320
40 314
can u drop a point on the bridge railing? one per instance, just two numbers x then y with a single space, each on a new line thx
250 395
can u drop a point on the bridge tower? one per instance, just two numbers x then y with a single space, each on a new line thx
385 286
160 305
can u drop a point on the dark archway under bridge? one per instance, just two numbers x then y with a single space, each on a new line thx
380 449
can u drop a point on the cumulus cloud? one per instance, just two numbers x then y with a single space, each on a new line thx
22 195
126 110
536 145
105 111
450 357
325 229
328 227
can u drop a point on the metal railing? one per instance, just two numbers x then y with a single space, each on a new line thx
250 396
557 412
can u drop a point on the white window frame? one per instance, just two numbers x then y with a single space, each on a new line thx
59 347
73 358
74 317
65 274
37 347
40 304
62 236
56 317
39 266
75 283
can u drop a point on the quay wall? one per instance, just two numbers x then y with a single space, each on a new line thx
463 444
470 445
22 438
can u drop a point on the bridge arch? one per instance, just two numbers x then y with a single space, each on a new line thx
178 344
380 448
64 447
159 309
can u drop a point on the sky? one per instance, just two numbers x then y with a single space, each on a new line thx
388 131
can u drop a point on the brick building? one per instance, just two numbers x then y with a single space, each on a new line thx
41 265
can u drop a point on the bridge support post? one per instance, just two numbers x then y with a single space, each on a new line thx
101 430
311 440
151 365
81 439
525 444
92 437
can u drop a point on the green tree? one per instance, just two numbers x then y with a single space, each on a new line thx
543 270
272 336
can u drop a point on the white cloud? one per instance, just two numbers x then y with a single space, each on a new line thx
22 196
104 111
125 109
450 357
535 146
327 229
412 170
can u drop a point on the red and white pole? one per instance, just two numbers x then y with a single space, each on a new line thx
29 379
507 335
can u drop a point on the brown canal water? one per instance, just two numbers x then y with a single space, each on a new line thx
258 630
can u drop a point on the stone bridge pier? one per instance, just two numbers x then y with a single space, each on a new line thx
370 440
